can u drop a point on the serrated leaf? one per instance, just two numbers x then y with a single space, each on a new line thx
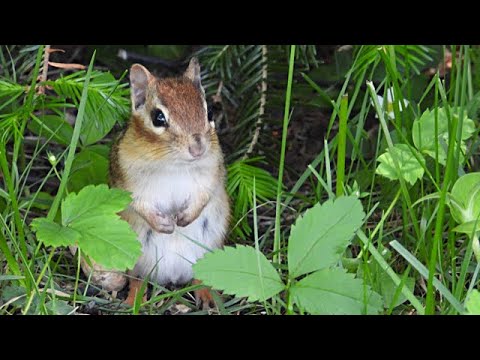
423 133
105 237
465 200
93 201
319 237
53 234
109 241
333 291
240 271
410 169
473 303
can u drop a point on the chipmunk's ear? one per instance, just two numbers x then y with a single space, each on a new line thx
139 79
193 72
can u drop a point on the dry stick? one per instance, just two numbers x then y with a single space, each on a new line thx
43 76
263 99
218 97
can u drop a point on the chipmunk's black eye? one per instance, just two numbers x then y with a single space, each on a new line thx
158 118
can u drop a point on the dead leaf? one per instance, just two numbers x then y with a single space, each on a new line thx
67 66
55 50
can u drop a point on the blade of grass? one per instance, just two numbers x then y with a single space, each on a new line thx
286 116
342 144
255 233
385 267
417 265
73 144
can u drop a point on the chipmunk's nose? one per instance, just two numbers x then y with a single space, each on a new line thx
197 146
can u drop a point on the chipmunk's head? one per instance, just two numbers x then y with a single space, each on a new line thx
170 114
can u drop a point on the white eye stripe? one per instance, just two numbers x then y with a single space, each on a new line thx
158 130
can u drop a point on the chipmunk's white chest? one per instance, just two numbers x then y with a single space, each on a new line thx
170 189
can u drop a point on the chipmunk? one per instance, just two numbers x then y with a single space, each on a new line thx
170 159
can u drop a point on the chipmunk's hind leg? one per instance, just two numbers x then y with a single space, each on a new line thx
135 286
203 297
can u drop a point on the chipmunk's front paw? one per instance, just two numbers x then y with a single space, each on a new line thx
162 223
184 218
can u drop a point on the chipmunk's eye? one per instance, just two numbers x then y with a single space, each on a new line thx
158 118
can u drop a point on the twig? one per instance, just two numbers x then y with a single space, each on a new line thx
43 76
217 98
263 97
67 66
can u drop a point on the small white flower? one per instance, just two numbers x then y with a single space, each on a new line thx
389 105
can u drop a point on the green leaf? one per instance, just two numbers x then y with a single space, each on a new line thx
58 307
106 238
109 241
473 303
93 201
90 167
319 237
423 133
333 291
53 234
468 227
410 169
11 292
240 271
388 289
465 201
50 125
240 187
42 201
107 102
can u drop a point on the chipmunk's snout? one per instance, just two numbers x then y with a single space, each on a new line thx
197 146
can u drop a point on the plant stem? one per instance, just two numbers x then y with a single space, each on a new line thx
9 257
79 251
13 199
385 267
286 116
73 144
449 174
39 279
342 144
289 298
